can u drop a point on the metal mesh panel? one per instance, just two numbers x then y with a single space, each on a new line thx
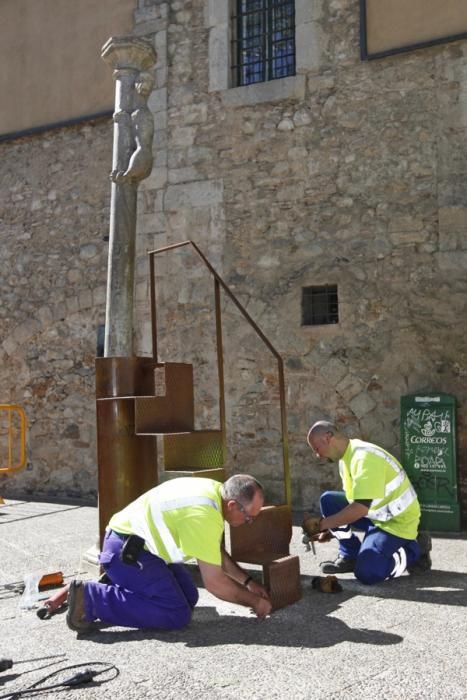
199 450
217 474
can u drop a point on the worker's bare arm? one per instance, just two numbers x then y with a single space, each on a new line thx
233 570
222 586
354 511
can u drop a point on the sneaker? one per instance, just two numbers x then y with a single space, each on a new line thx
75 618
424 563
341 565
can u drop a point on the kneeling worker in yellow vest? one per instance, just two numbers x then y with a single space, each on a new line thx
378 499
147 542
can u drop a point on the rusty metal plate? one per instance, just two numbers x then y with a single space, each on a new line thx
267 538
127 463
282 579
202 449
124 376
172 412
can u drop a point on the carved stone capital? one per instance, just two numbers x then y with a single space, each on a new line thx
129 52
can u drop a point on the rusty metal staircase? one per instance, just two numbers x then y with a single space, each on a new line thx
141 398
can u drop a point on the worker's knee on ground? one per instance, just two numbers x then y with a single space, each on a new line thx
194 597
368 568
180 617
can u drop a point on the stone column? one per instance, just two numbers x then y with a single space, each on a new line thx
130 58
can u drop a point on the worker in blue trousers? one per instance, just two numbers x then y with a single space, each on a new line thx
146 584
378 499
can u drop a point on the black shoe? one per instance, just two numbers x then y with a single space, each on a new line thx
341 565
424 563
75 618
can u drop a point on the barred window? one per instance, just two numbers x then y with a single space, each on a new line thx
320 305
263 40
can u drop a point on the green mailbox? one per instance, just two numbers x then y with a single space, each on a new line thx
428 450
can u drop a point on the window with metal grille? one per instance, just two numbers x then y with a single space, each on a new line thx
264 40
320 305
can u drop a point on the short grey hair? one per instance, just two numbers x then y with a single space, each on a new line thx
320 427
242 488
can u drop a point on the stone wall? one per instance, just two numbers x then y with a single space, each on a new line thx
355 176
54 197
358 179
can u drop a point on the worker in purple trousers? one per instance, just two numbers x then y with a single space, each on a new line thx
147 584
378 499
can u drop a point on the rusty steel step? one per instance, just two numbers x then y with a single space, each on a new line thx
265 539
172 410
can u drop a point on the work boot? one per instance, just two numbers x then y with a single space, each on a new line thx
75 617
340 565
424 563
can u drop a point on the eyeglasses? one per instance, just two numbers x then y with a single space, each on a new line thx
247 517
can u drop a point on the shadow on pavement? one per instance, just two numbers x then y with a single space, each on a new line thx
305 624
435 587
309 623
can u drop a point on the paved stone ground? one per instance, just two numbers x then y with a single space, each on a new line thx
404 639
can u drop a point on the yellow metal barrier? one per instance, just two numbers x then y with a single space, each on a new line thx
12 439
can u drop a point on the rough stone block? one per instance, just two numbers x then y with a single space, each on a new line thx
452 219
452 261
281 89
333 371
9 346
157 101
183 175
195 194
349 387
362 404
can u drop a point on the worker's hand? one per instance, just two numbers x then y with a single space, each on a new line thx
262 607
258 589
323 537
311 525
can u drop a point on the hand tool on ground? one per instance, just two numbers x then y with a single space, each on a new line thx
309 543
51 580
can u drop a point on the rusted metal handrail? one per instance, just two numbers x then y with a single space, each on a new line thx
258 331
14 466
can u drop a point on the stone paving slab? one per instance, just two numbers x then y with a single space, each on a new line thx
404 639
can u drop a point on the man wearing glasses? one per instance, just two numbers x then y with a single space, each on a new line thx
146 583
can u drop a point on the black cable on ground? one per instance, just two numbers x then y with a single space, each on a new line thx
77 679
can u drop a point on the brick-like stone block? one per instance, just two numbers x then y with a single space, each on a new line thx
282 579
